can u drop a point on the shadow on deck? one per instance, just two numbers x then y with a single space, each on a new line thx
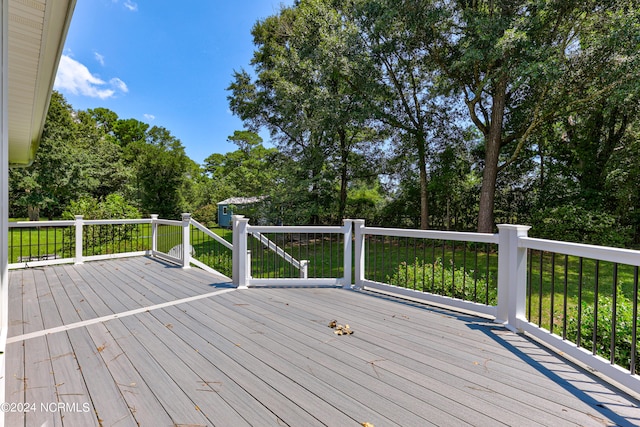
139 342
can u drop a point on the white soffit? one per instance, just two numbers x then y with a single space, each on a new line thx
37 31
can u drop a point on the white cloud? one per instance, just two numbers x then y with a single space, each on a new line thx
119 84
76 78
99 58
132 6
149 117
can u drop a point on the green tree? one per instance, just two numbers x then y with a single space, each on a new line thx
300 95
246 172
396 78
161 171
56 176
517 63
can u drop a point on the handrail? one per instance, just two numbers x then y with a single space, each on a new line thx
275 248
434 234
211 234
30 224
116 221
619 255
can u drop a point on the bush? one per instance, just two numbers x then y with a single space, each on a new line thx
207 215
623 329
576 224
113 206
453 282
106 238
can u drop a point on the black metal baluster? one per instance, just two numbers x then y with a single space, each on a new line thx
444 255
580 267
594 334
433 265
475 274
540 271
634 342
553 291
464 270
614 315
566 293
453 270
486 290
530 284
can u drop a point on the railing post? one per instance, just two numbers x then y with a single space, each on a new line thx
154 234
348 249
240 269
358 231
186 241
512 275
304 268
79 233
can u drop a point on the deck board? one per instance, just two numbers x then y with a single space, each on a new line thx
333 373
267 357
110 406
146 409
474 372
16 323
262 360
69 382
341 356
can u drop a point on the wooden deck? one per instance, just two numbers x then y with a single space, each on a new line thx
139 342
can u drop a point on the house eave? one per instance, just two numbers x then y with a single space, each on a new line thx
37 32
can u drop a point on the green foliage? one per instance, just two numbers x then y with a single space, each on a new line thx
624 323
364 201
249 171
448 281
207 215
576 224
108 238
114 206
302 95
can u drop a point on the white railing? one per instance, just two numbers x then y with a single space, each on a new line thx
361 232
518 321
77 241
247 263
511 243
347 251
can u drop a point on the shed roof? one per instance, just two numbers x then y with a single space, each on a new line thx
242 200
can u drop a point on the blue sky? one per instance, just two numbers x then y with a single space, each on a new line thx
163 62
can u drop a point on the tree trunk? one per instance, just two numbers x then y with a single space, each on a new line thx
493 141
344 173
34 213
448 214
424 192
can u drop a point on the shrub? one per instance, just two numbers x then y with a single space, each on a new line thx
576 224
623 328
106 238
207 215
454 282
113 206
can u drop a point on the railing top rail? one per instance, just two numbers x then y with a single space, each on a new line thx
27 224
168 222
211 234
117 221
603 253
433 234
295 229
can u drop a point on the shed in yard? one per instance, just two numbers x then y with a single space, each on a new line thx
226 207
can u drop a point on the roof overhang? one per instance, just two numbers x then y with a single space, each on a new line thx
37 31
